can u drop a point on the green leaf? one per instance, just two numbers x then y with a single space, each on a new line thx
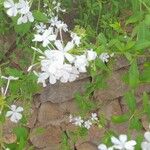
39 16
146 104
21 132
131 101
133 75
135 124
141 45
145 76
139 140
134 18
120 118
22 28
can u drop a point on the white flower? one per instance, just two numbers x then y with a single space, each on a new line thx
104 147
40 27
52 56
25 18
23 7
64 50
81 63
87 124
70 118
104 57
122 143
54 21
67 73
145 145
58 7
91 55
76 39
12 7
46 37
62 26
42 77
78 121
94 117
15 113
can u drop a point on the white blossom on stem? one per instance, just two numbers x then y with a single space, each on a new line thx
14 113
122 144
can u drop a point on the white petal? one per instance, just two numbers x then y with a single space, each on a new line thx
38 38
13 107
102 147
69 46
69 57
45 43
8 3
130 144
147 136
9 113
123 138
52 79
19 109
114 140
52 37
59 45
18 116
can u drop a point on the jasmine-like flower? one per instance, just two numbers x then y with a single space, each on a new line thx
78 121
94 117
145 145
58 7
40 27
64 50
104 147
91 55
11 8
104 57
61 26
81 63
87 124
122 144
23 7
46 37
14 113
75 38
24 18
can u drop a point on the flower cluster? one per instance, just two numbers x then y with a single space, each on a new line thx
123 144
22 8
57 62
78 121
120 143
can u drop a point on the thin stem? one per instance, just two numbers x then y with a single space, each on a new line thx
61 37
8 82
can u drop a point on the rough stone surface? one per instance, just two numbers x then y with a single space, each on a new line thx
33 118
87 146
49 112
122 62
69 107
116 87
50 137
95 134
61 92
110 109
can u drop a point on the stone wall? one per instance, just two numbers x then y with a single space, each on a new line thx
52 107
